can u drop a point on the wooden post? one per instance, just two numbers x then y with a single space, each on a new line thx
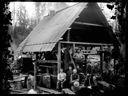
114 67
102 59
58 59
35 70
84 43
73 47
35 76
68 35
59 56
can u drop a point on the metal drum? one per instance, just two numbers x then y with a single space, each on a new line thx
18 85
75 86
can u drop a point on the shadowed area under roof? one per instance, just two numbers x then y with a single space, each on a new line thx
92 14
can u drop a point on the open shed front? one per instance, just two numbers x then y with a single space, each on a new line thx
81 25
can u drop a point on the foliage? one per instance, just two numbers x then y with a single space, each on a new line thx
23 26
121 14
5 40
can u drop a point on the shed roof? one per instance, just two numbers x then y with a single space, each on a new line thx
45 35
49 31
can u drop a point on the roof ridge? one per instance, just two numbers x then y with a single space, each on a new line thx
66 8
62 9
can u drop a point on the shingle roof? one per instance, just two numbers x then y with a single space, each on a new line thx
48 32
45 35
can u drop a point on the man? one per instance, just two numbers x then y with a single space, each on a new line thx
79 57
61 79
81 74
75 80
69 73
89 68
79 70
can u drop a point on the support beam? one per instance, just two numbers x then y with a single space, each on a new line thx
83 43
68 35
102 59
89 24
73 47
46 66
34 56
35 70
47 61
59 57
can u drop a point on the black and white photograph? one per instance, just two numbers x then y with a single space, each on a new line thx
64 48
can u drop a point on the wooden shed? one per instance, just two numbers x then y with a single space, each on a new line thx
82 23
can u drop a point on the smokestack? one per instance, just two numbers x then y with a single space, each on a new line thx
52 12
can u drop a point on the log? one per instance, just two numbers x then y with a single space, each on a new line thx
47 61
48 90
67 91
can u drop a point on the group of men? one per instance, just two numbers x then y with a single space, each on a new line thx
71 78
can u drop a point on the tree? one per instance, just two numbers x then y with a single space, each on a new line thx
121 14
21 28
5 40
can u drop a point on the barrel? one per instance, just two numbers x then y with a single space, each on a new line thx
18 85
